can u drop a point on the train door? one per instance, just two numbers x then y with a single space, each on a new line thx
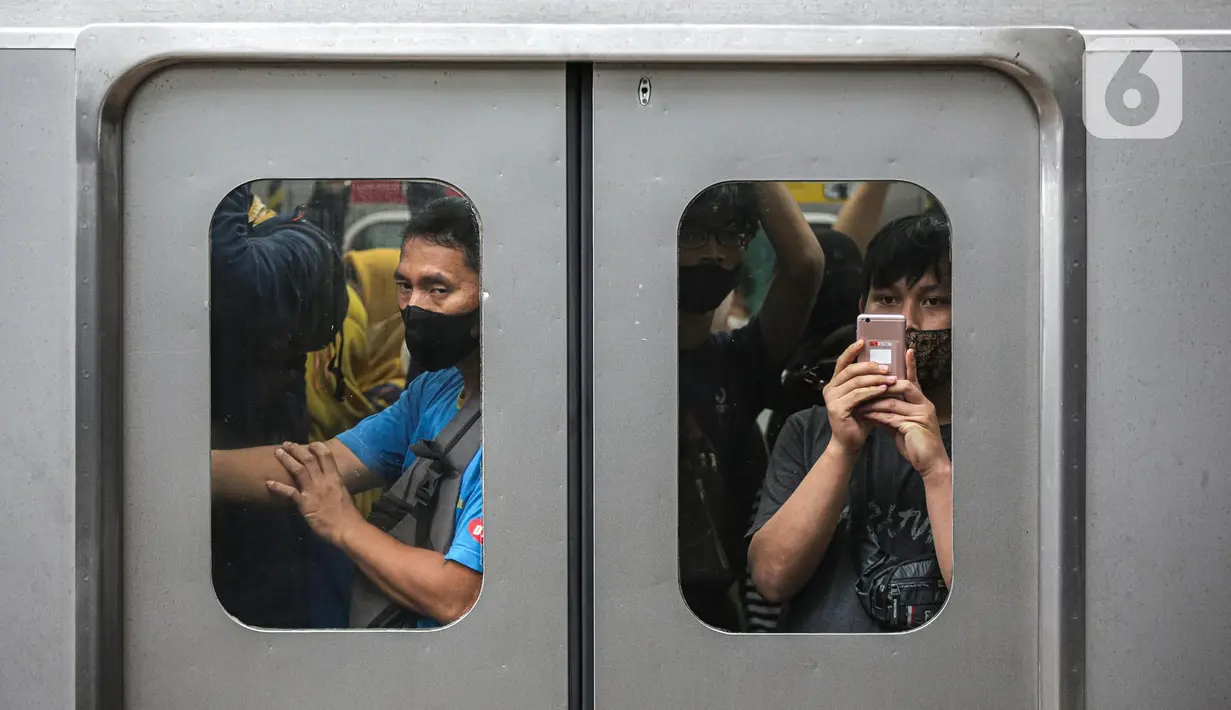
994 155
185 137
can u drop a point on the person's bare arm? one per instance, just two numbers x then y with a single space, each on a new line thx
786 551
418 579
240 474
938 489
800 267
860 217
784 554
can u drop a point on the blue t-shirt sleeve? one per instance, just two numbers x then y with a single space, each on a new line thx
467 547
381 440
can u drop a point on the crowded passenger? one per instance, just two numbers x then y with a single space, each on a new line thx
278 294
854 529
724 377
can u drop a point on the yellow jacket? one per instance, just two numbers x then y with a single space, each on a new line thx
371 272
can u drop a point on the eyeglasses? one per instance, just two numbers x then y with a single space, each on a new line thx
697 238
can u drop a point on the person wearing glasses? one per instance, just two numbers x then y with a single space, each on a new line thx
723 377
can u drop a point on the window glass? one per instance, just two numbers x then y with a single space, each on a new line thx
815 489
344 320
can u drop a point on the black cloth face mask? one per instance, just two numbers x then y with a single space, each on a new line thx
704 286
933 355
437 340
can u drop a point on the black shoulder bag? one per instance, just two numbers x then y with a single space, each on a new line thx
900 594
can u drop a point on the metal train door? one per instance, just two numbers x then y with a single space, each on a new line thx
159 149
985 121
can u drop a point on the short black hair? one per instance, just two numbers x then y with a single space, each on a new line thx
730 205
907 247
422 192
448 222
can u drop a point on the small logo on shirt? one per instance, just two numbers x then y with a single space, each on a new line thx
476 529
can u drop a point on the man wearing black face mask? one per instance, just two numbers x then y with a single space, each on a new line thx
723 377
855 521
439 292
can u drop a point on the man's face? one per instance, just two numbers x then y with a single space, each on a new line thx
927 305
722 246
436 278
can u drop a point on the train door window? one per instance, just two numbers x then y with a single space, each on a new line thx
317 418
817 351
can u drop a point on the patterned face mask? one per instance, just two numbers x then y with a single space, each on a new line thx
933 355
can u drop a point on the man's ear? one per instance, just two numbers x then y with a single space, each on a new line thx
863 301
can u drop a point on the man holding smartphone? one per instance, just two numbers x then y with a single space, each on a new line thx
855 521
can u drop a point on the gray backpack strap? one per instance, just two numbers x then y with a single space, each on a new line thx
420 510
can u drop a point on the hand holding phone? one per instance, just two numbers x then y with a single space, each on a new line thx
884 338
857 381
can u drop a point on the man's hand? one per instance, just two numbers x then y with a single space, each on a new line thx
853 384
319 493
912 422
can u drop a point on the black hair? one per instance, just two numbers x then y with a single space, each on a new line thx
419 193
724 206
908 247
448 222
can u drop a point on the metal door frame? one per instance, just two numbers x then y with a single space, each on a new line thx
113 60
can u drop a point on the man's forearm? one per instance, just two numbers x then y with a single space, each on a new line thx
786 551
799 256
938 489
418 579
240 474
798 272
860 217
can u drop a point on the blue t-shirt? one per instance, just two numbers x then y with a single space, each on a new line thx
382 443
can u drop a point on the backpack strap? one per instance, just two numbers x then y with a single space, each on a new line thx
419 510
438 489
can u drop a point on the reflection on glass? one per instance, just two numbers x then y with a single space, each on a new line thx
814 484
347 488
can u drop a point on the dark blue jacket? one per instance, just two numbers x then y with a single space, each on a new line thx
261 280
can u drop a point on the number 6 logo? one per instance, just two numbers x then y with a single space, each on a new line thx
1133 88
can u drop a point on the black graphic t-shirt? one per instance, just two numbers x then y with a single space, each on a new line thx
896 515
